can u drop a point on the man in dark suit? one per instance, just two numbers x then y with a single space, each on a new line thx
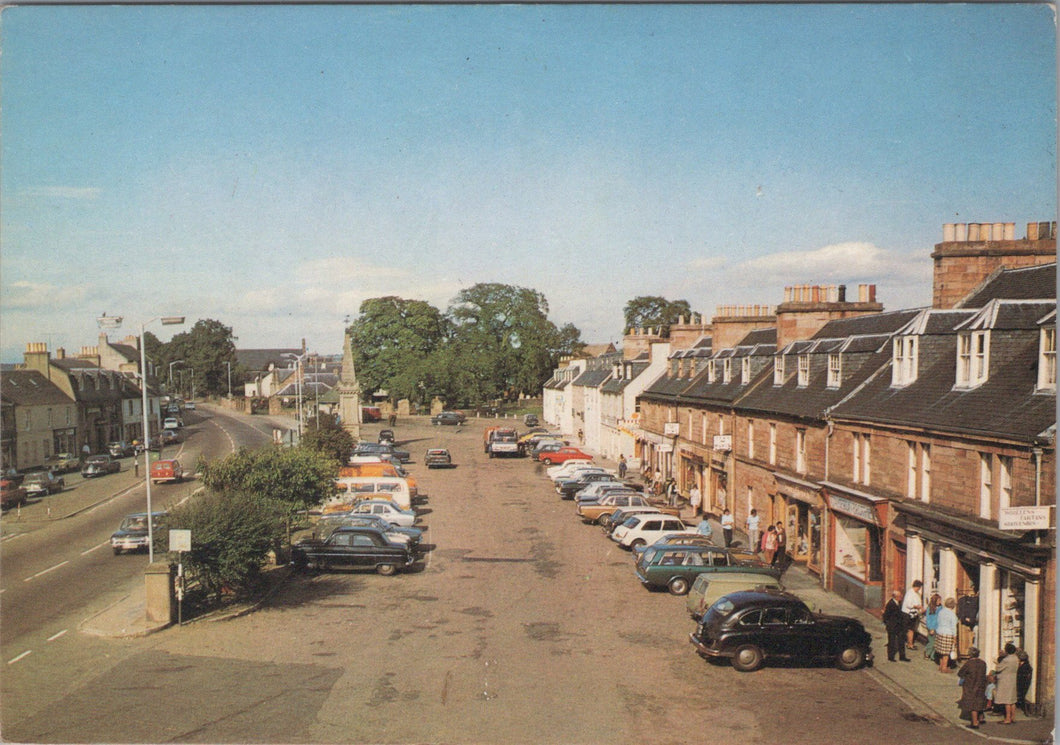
894 620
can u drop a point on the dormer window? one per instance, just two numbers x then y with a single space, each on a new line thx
675 369
904 361
973 357
712 371
728 370
778 370
745 370
1047 359
835 370
804 370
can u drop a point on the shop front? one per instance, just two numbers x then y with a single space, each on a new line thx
692 472
856 530
802 507
999 580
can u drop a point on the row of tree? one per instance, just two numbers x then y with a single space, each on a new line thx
200 357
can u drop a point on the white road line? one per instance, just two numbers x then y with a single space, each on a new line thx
13 536
27 653
95 548
53 637
49 569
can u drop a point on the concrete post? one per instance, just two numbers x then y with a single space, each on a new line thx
160 605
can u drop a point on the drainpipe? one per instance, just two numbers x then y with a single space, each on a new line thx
826 535
1037 453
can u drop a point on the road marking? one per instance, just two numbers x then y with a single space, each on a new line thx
27 653
53 637
49 569
95 548
13 536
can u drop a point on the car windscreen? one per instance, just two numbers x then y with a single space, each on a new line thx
721 608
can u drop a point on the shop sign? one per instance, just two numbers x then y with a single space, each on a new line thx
723 443
854 509
1024 518
664 448
672 429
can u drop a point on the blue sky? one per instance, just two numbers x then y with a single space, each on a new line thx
273 166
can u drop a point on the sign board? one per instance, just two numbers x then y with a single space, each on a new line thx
672 429
664 448
1024 518
854 509
723 443
180 540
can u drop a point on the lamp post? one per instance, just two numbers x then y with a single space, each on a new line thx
229 364
298 358
174 362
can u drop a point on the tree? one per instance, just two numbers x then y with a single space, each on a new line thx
652 311
392 341
205 350
297 477
328 437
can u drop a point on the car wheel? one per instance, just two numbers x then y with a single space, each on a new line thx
547 461
602 521
678 586
386 569
850 658
117 552
638 543
747 658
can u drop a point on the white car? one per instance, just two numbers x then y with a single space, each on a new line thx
571 467
597 489
639 530
386 510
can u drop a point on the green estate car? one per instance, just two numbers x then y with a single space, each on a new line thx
676 567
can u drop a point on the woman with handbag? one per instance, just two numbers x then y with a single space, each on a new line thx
946 635
972 677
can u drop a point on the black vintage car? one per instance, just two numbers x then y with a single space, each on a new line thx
383 450
98 465
353 547
752 626
448 417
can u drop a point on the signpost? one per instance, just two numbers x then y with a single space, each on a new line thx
180 541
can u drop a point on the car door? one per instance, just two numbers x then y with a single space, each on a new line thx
774 638
804 637
363 549
336 551
649 526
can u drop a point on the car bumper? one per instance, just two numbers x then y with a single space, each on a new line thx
128 544
704 649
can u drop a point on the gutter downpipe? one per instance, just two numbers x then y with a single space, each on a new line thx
826 567
1037 453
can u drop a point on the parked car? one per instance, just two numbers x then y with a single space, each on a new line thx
530 420
387 510
640 530
62 462
590 512
544 445
11 493
709 588
121 449
752 626
132 534
375 448
678 539
569 487
99 465
189 405
438 458
42 482
169 437
166 471
386 437
676 567
572 468
173 422
610 521
595 490
328 524
565 453
352 546
448 417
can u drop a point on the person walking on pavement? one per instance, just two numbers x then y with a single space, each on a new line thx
946 634
769 543
1005 673
622 466
931 621
894 620
973 687
913 606
704 529
753 536
781 553
727 524
1024 675
695 497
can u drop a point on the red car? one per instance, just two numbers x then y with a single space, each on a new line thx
564 454
166 470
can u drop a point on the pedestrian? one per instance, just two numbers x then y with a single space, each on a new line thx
931 621
1006 692
972 678
780 555
622 466
946 635
894 620
695 496
752 530
727 524
658 482
704 529
769 543
1024 675
913 606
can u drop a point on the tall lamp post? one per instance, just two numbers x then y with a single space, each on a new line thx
174 362
229 364
115 322
298 358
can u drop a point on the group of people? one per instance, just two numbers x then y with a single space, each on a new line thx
1005 686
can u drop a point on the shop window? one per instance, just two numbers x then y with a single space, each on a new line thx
985 484
835 370
1047 360
973 350
804 370
857 549
904 361
778 370
1013 596
745 370
772 444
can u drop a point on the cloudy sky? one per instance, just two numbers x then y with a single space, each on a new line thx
273 166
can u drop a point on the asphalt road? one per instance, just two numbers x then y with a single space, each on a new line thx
521 626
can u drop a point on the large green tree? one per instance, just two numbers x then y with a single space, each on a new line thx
393 338
203 351
653 311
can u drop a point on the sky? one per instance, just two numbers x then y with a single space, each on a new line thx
273 166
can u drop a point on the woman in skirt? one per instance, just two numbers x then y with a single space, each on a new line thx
946 634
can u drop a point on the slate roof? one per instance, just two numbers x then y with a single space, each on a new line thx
593 377
617 385
130 353
1026 283
30 388
258 360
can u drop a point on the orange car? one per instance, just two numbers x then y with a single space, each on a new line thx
166 470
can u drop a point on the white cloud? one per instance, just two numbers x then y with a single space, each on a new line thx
838 261
23 295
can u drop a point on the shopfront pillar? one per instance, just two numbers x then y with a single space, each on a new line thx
989 612
914 560
1031 611
947 572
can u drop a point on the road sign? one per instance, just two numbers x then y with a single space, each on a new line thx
180 540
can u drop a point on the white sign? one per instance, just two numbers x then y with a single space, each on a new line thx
1024 518
664 448
672 429
180 540
722 443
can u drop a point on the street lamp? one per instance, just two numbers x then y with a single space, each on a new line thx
298 381
227 362
174 362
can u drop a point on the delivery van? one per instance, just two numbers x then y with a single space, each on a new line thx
351 489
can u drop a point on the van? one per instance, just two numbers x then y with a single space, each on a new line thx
355 488
709 587
379 467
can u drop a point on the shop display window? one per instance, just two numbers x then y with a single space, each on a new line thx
1012 599
856 549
